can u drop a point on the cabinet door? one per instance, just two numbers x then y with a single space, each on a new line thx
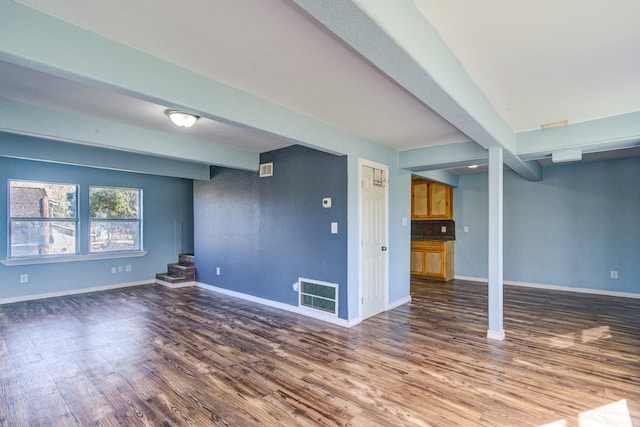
434 263
439 201
417 261
419 199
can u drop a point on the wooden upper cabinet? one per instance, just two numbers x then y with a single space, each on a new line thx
430 200
439 201
419 198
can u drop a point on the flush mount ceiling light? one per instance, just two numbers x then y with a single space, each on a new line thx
179 118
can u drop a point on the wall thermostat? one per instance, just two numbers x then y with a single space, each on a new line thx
326 202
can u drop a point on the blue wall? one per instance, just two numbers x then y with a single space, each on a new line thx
264 233
571 229
167 202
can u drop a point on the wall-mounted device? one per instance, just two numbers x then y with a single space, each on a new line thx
326 202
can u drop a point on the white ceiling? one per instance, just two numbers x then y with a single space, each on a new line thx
546 60
536 62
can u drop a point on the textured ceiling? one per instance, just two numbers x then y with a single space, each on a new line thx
544 61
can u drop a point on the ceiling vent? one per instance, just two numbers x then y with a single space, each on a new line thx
266 169
557 124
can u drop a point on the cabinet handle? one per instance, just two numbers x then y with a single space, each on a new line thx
384 248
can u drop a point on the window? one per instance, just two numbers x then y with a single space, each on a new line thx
42 219
115 219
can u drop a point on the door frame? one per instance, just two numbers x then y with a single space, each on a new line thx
364 162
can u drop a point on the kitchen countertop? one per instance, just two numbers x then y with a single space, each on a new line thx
432 238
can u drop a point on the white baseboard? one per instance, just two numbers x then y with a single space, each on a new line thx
279 305
399 302
495 335
175 285
556 287
73 292
472 279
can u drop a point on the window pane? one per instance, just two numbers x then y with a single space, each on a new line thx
33 238
41 200
115 236
109 203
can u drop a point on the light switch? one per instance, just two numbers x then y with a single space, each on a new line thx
443 229
404 221
466 229
334 228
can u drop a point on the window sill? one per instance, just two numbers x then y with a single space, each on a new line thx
53 260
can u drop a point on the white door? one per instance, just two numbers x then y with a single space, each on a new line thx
373 235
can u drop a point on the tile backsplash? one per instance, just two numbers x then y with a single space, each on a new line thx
428 229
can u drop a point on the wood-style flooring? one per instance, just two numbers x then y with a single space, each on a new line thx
155 356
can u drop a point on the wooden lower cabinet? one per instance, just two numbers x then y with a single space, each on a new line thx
432 259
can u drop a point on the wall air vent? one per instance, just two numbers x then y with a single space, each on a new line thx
266 169
318 295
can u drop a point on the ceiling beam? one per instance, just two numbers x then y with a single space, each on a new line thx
27 119
611 133
442 176
45 150
396 38
443 157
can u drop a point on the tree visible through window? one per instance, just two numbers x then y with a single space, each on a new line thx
42 219
115 219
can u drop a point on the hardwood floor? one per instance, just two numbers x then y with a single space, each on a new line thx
156 356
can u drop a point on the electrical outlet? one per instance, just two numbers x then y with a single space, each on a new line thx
443 229
128 268
119 269
113 270
614 274
24 278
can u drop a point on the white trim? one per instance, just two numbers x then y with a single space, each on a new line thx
472 279
269 303
364 162
69 292
577 290
175 285
279 305
496 335
556 287
398 303
71 258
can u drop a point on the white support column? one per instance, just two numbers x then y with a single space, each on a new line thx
496 330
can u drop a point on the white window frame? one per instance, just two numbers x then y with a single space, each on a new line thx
39 219
93 220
